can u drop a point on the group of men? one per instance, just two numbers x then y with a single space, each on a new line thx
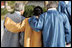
54 25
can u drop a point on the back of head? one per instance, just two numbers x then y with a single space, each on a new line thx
37 11
19 6
52 4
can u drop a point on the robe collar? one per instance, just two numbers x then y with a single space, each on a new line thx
52 9
18 12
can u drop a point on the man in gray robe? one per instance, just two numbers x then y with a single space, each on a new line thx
14 39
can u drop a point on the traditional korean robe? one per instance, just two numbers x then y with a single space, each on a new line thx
65 8
13 39
31 37
55 28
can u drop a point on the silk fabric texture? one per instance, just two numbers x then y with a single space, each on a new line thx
55 28
31 38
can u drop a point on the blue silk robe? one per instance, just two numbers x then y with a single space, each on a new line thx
65 8
55 28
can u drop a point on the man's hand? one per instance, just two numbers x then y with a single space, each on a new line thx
68 45
36 16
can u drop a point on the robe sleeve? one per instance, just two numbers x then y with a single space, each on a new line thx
68 13
37 23
67 29
14 27
59 7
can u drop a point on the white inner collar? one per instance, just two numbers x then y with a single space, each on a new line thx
52 9
18 12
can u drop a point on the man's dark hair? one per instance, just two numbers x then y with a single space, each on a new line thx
52 4
37 11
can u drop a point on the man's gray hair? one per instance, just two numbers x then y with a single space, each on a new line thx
19 6
52 4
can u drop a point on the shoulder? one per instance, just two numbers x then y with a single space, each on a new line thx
50 12
61 3
26 18
23 17
63 15
8 14
44 14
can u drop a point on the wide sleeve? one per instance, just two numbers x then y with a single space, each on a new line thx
14 27
37 23
67 28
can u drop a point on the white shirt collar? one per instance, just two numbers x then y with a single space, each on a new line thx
66 2
52 9
18 12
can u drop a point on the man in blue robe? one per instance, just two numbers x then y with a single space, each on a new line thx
55 27
65 7
14 39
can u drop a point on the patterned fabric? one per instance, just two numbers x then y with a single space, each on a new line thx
31 38
13 39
